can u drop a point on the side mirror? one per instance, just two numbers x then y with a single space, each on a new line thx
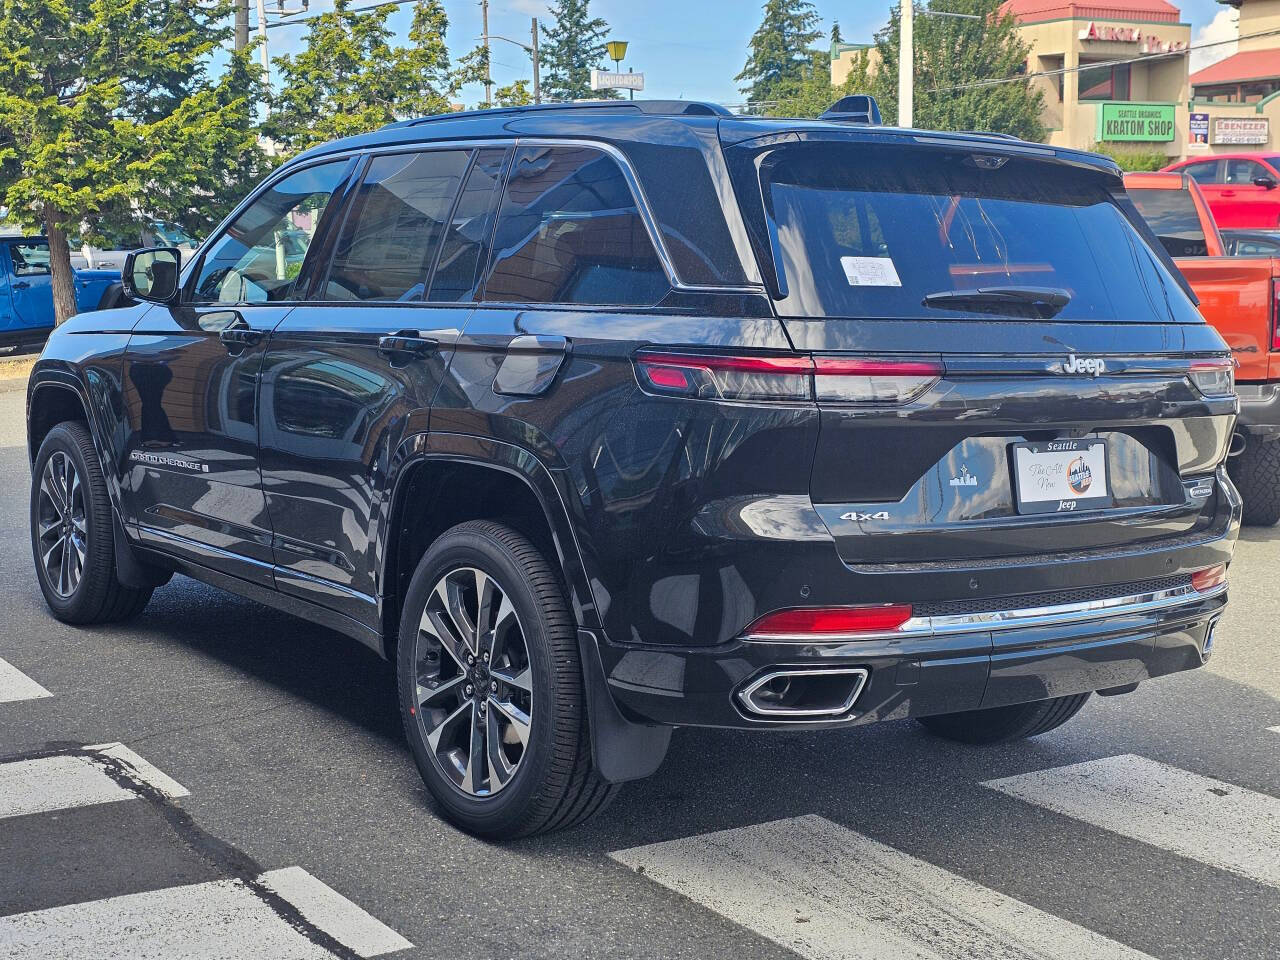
152 274
1264 182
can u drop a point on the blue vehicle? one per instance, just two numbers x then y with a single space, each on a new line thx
26 291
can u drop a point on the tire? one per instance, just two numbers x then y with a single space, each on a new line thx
95 594
1256 474
541 777
1003 724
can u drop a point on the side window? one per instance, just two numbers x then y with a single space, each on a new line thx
259 257
569 232
1203 172
1242 172
465 244
30 259
395 226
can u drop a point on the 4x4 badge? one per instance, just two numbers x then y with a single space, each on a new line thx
858 517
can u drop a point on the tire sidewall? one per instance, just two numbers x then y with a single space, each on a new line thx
504 811
97 527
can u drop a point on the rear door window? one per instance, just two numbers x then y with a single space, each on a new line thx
395 226
1173 218
467 240
569 231
865 230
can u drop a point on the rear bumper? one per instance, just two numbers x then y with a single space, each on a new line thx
1259 409
938 665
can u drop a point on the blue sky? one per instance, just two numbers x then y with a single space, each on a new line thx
686 48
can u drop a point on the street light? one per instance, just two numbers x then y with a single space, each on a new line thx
617 53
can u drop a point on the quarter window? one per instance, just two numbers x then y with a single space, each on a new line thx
395 226
569 231
259 257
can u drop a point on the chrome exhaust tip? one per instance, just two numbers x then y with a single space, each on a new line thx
803 693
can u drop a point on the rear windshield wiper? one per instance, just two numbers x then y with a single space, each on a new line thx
1042 302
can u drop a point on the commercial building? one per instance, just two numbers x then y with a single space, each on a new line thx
1115 74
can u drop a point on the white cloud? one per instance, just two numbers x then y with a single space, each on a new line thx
1224 26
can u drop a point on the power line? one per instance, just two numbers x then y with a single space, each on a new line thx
1062 71
328 13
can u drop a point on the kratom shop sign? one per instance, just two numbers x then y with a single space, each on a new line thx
1149 122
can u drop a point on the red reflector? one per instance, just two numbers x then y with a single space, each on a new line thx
705 361
668 377
826 621
1209 577
862 367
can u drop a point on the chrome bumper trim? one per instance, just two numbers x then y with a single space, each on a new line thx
1017 619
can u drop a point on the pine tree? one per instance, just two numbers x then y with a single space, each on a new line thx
780 51
950 54
349 79
107 113
570 49
835 33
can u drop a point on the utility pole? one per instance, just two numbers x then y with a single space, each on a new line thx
906 63
262 37
242 24
533 52
488 77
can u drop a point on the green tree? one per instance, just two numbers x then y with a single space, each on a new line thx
514 94
835 33
350 79
107 112
569 49
780 51
811 94
950 56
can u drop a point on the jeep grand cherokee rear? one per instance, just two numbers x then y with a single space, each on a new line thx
985 481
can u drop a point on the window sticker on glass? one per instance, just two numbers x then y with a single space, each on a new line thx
870 271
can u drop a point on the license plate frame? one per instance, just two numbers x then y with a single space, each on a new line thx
1061 476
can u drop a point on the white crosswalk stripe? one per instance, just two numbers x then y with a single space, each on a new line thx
16 685
1216 823
826 892
64 781
203 921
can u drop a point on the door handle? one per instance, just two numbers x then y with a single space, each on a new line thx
241 336
406 343
22 285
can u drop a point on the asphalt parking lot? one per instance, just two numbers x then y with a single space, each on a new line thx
257 800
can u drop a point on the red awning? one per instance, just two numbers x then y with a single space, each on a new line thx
1240 68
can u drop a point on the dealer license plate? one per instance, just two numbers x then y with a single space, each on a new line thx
1061 476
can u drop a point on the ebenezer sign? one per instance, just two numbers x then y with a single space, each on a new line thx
1241 131
1149 122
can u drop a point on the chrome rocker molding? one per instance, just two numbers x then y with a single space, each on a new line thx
1019 618
859 677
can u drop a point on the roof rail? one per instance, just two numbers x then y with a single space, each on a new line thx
677 108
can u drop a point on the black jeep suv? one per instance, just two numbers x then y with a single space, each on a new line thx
603 419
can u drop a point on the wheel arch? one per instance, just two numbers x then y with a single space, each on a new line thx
50 402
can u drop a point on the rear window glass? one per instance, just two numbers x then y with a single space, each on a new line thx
1173 218
863 230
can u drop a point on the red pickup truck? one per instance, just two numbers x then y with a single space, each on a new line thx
1240 296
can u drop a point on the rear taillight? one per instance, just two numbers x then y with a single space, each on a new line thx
785 377
799 623
1214 378
1209 577
1275 314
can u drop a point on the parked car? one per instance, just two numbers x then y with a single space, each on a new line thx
1251 243
147 233
601 419
1239 296
1240 188
26 291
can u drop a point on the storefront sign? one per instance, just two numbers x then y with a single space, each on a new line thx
608 80
1149 122
1147 42
1199 128
1253 131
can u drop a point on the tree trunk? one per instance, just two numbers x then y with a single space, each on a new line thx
64 278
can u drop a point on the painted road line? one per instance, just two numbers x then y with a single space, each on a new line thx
1216 823
1274 729
63 781
220 918
826 892
16 685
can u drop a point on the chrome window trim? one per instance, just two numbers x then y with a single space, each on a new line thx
744 695
628 173
1017 618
